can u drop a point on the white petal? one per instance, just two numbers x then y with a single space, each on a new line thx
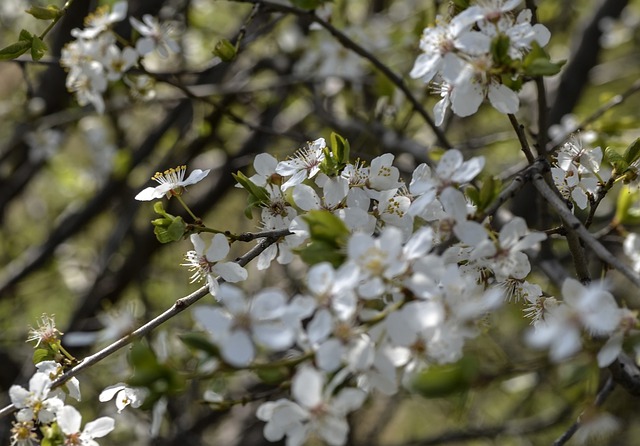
214 320
503 99
108 393
466 98
470 232
468 170
265 164
268 304
275 336
542 34
306 387
69 420
198 243
100 427
473 43
440 110
320 278
610 351
195 176
148 194
219 248
305 197
329 355
320 326
237 349
426 66
233 299
231 272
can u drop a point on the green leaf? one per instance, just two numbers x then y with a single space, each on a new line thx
259 193
141 356
500 49
172 232
543 67
488 192
41 354
633 152
38 48
198 341
328 237
25 36
340 148
473 194
616 160
14 50
324 226
626 212
444 380
273 375
48 12
320 251
538 62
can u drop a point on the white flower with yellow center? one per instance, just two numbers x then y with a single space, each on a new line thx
171 182
207 265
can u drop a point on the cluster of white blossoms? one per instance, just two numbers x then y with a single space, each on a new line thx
395 301
400 277
95 57
576 172
43 412
458 56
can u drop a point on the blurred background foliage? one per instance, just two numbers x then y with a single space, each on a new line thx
75 243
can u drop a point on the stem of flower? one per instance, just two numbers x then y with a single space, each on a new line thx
184 205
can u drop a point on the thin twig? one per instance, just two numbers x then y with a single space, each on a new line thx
542 137
178 307
518 182
524 144
600 399
575 224
351 45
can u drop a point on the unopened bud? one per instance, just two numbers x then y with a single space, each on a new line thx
225 50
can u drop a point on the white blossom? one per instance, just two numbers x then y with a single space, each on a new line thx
207 265
172 182
124 396
70 420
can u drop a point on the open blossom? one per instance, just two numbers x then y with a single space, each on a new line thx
576 171
315 410
155 36
172 182
69 420
34 403
23 433
241 322
101 20
436 42
207 265
54 370
305 163
124 396
46 331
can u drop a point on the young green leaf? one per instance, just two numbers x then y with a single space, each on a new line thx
633 152
49 12
618 162
14 50
38 48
